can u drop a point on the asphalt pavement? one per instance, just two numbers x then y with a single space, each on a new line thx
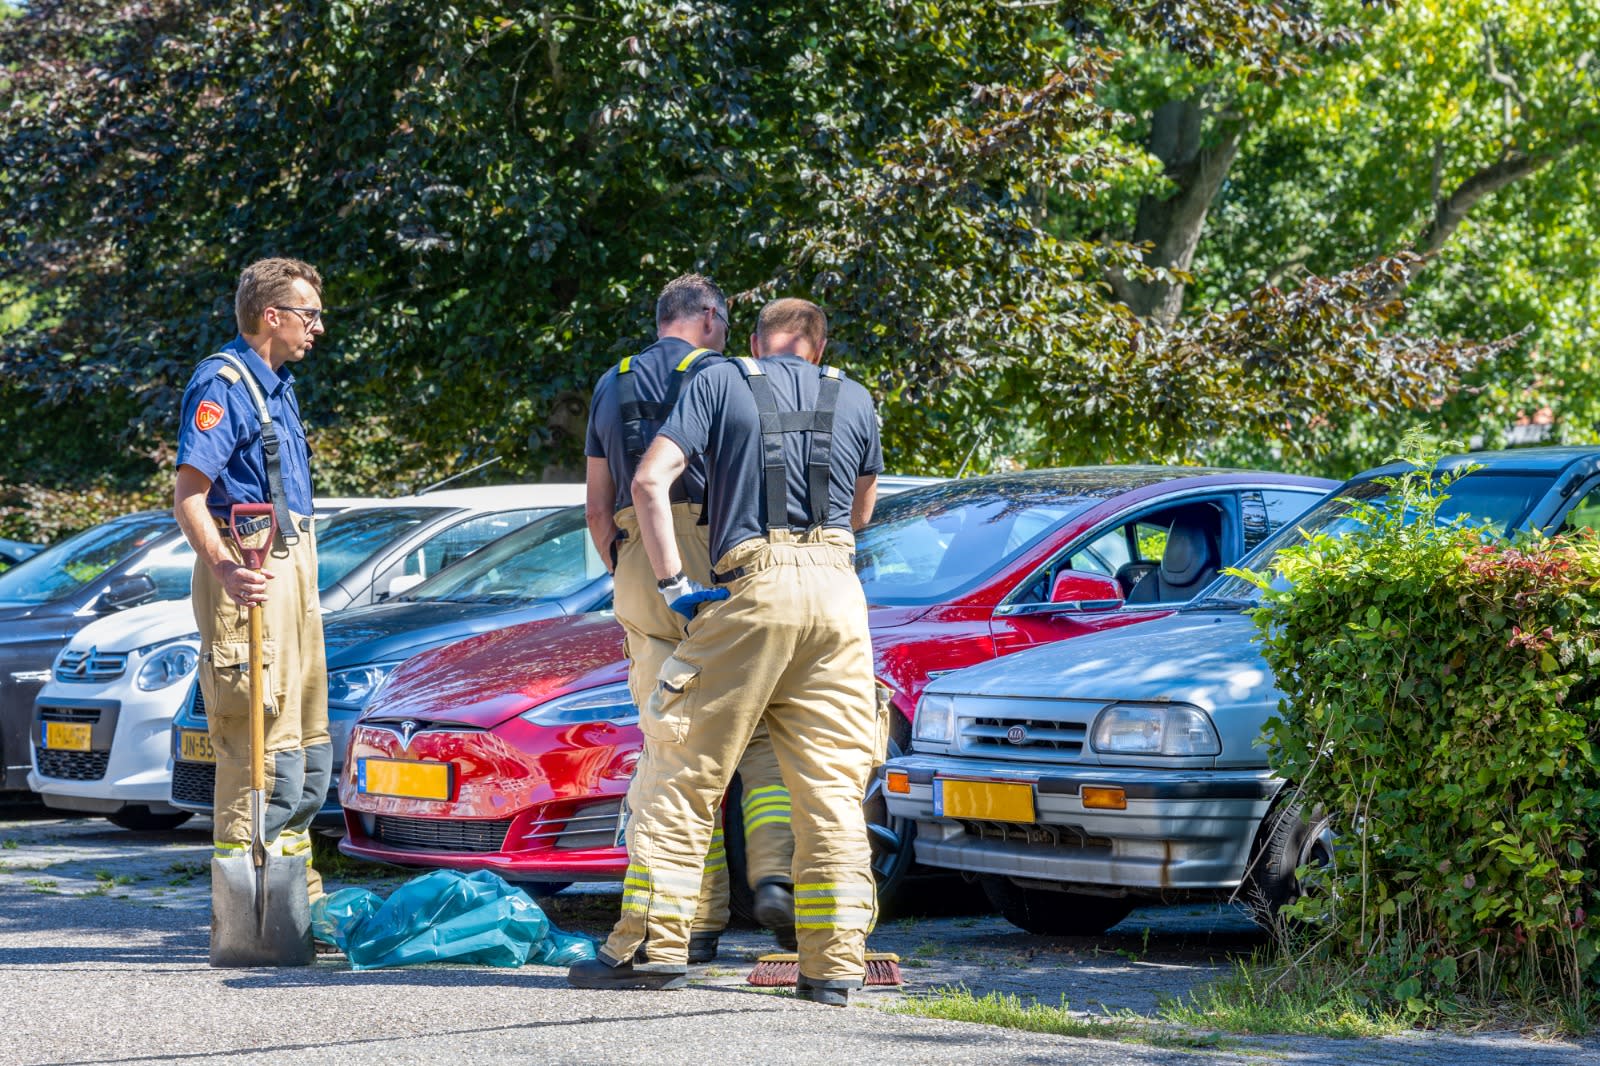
103 939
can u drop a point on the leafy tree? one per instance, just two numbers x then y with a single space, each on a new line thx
495 192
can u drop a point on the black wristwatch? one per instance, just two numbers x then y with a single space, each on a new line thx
673 580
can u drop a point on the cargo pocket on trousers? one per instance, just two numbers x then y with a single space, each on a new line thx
670 709
228 673
881 729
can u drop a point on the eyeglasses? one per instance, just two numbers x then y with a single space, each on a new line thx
309 316
721 317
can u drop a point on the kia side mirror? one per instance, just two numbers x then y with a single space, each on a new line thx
1075 590
130 590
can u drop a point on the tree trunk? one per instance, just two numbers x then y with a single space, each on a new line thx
1173 226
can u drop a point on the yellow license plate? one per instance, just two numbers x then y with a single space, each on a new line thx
67 736
195 746
408 780
992 801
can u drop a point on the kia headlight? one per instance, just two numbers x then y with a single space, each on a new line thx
167 666
1155 729
357 685
609 703
934 720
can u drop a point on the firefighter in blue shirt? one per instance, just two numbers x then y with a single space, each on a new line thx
240 440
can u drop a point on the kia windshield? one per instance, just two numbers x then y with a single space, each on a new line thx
62 569
1496 502
929 545
544 560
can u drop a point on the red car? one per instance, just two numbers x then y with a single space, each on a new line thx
511 751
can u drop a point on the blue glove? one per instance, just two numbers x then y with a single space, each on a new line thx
685 596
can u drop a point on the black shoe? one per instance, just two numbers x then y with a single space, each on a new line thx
828 997
703 946
598 973
774 909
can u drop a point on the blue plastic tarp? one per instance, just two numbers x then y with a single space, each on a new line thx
444 916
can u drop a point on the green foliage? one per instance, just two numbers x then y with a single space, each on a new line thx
1440 702
495 192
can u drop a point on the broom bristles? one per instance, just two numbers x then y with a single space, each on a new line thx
783 970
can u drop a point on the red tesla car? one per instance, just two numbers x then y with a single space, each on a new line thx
511 751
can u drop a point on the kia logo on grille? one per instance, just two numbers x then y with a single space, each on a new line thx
1016 734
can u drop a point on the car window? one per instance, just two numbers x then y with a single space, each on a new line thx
350 538
171 567
62 569
1106 554
1497 502
1585 514
464 538
1151 540
546 559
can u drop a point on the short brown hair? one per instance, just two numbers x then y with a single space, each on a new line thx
686 296
266 282
792 315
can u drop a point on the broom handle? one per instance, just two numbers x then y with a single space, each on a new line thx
258 718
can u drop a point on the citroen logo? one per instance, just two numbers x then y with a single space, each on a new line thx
1017 734
407 728
83 664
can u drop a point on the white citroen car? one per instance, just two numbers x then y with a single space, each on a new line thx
102 723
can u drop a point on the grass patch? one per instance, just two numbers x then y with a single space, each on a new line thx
1259 998
109 879
41 886
185 872
10 843
1009 1012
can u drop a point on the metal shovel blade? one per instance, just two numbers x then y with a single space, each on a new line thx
247 930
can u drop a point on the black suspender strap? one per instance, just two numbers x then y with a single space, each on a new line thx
775 423
635 414
817 465
270 451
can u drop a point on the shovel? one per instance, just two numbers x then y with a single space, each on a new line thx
260 915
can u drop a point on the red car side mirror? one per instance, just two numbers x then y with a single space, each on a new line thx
1076 590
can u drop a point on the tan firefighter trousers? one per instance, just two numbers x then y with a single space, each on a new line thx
789 648
652 631
299 754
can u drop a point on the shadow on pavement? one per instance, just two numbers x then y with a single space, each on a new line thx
139 933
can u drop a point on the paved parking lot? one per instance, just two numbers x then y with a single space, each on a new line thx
103 960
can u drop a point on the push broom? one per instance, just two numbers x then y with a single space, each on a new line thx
783 970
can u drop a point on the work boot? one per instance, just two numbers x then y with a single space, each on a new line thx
774 909
602 973
703 946
828 997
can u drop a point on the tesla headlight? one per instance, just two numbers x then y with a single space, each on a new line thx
1155 729
167 666
609 703
357 685
934 720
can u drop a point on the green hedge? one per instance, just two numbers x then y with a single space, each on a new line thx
1441 705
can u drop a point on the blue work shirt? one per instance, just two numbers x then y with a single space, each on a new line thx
220 434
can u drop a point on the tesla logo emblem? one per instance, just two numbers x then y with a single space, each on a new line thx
407 728
1016 734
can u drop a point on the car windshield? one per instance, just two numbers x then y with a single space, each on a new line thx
350 538
1498 502
927 545
62 569
544 560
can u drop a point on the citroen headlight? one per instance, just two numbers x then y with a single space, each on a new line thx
1155 729
609 703
357 685
934 720
167 666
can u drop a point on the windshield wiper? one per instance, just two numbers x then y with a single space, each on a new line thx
1230 603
